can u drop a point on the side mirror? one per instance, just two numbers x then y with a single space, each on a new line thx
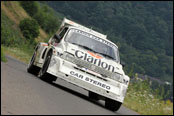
122 63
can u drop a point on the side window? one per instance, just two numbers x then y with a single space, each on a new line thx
57 37
63 32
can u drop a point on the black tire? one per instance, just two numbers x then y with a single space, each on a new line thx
112 104
93 95
43 72
31 67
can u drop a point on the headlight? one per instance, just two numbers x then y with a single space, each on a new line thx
120 78
116 76
69 57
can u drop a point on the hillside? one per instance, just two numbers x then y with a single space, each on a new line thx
142 30
16 13
12 40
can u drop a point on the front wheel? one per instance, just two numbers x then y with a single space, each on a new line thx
43 72
112 104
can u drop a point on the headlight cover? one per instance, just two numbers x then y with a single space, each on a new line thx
116 76
68 56
120 78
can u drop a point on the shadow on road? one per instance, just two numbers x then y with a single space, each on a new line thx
79 95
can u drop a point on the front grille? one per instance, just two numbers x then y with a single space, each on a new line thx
90 73
92 67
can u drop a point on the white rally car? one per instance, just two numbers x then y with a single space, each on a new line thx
85 58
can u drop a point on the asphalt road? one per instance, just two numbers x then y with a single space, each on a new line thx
23 93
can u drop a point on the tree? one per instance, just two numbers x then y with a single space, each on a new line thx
29 28
47 19
40 17
31 7
138 27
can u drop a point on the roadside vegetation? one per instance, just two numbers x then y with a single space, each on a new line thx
3 59
143 31
142 99
12 41
18 53
29 29
17 43
20 31
48 20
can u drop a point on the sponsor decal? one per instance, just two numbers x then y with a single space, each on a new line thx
94 59
44 44
90 80
71 22
94 55
93 37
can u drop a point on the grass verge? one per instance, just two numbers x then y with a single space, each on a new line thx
3 59
146 103
17 53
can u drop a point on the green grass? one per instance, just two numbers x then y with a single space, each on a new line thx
9 5
12 42
145 103
10 33
3 59
18 53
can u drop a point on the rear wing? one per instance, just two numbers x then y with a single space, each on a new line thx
69 22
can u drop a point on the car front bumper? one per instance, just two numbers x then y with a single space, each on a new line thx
68 72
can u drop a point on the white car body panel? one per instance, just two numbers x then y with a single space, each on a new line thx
85 78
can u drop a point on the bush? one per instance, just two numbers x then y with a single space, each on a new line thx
29 29
46 19
31 7
8 37
4 36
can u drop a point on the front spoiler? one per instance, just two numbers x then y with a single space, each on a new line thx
66 71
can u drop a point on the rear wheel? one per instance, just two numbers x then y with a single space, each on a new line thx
43 72
112 104
31 67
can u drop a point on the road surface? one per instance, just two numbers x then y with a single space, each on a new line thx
23 93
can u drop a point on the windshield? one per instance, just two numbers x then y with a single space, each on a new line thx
93 43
